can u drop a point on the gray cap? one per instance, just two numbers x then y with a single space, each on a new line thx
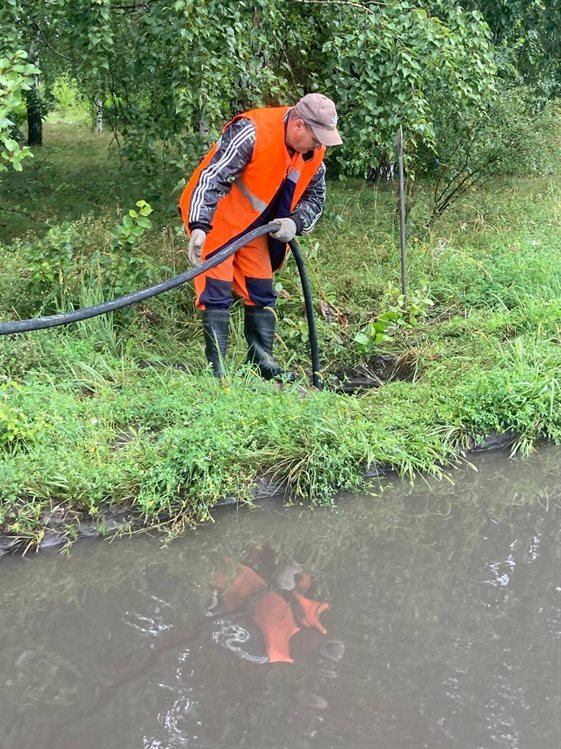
320 114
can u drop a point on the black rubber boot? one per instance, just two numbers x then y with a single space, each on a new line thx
215 328
259 329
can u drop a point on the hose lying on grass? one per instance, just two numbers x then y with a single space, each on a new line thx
51 321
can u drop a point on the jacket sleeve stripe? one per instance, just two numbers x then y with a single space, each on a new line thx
206 176
310 207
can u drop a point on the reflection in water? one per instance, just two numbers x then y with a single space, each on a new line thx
261 619
443 599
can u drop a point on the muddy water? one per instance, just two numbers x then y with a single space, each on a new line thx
443 626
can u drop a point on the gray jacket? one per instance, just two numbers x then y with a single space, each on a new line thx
234 152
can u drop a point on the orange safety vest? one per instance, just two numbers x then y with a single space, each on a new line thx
245 206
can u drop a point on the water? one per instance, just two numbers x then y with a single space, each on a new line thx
443 627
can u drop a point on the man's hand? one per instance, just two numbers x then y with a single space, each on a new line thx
198 237
286 231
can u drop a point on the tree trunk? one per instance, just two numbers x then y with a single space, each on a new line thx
33 103
34 121
99 116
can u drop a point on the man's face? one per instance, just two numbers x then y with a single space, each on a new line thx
300 136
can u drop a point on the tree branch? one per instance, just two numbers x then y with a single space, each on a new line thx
49 45
133 7
348 3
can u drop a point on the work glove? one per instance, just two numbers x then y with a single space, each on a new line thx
286 231
198 237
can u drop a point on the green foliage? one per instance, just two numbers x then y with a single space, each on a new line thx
126 265
18 354
186 69
69 105
368 58
524 396
506 274
376 332
15 79
65 93
134 225
49 263
526 34
63 265
15 426
506 136
407 311
399 312
397 63
201 64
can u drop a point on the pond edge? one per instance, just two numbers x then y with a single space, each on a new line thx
114 520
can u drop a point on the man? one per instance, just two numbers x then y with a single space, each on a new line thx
267 166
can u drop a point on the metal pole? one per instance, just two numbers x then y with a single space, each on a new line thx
402 232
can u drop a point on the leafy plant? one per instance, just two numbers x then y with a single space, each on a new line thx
133 226
48 263
67 260
15 77
68 104
400 312
15 426
376 332
407 311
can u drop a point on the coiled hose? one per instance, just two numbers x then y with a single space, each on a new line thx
51 321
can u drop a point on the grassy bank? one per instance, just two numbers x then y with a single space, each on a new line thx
121 409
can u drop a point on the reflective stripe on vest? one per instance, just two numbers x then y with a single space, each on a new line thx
257 205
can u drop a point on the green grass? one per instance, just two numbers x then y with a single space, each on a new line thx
121 410
75 173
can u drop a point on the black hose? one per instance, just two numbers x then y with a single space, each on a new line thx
84 313
312 333
22 326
